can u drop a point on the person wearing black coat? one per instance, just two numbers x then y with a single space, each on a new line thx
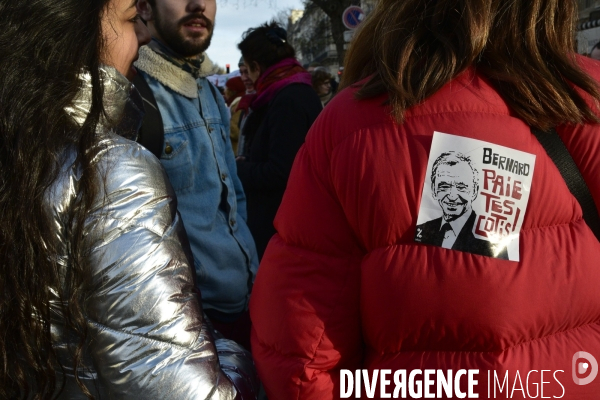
281 113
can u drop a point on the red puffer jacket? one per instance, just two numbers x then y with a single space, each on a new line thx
344 285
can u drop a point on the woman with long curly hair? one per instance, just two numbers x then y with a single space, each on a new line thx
97 296
426 238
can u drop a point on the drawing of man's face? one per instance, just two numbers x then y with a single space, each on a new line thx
454 189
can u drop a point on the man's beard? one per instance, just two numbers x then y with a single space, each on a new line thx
173 37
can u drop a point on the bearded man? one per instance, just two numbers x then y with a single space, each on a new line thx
198 158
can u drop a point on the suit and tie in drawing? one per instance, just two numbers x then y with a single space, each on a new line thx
455 185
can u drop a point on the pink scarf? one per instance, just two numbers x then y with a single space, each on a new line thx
275 78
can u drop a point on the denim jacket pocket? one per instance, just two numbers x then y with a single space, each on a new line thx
177 161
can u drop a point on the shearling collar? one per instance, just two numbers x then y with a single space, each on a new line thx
171 75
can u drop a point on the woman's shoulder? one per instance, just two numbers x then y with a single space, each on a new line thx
345 113
113 147
122 168
123 164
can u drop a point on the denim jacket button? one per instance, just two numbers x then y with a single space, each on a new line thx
168 149
223 176
210 129
232 222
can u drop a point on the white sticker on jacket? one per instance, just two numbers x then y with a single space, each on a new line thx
474 197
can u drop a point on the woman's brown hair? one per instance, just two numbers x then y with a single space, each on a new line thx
44 47
411 48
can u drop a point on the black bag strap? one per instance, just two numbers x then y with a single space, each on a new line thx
152 131
561 157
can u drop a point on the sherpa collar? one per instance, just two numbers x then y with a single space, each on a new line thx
171 75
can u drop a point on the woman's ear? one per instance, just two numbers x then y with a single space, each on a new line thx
144 9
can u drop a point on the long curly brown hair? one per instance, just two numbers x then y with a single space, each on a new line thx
44 46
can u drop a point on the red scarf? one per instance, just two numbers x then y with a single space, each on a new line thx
244 103
272 80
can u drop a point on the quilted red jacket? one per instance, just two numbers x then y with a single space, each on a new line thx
344 285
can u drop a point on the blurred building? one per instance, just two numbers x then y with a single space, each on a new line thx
311 37
588 28
309 31
368 5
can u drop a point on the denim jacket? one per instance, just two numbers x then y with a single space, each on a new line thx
200 164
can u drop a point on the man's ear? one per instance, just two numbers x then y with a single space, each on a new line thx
144 9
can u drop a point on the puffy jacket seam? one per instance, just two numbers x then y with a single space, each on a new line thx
458 112
552 225
492 351
144 338
312 357
302 360
139 225
522 230
352 133
114 144
322 253
550 335
321 336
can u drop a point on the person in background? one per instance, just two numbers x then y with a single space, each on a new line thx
198 157
315 66
282 110
97 292
344 286
321 82
244 104
234 90
244 74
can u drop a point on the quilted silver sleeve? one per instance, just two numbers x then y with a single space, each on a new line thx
148 338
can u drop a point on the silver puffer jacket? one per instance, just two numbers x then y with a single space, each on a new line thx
147 337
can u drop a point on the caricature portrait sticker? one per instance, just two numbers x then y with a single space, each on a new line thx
474 197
